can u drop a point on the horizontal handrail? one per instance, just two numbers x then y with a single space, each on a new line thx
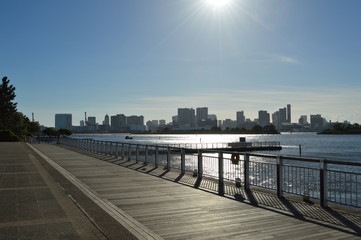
284 174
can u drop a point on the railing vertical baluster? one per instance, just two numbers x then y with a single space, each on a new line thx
168 158
220 174
323 183
123 150
156 157
129 151
246 171
200 164
183 160
280 176
146 154
137 153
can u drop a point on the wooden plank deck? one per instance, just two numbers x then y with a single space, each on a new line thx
172 207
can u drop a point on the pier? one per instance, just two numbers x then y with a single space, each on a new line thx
128 196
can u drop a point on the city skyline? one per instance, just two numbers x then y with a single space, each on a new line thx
152 57
193 119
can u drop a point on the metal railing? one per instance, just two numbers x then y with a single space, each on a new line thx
327 180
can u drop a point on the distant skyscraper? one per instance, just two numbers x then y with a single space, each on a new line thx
283 115
263 118
303 120
118 123
162 122
106 120
135 120
289 113
240 118
63 120
201 114
92 121
186 117
316 121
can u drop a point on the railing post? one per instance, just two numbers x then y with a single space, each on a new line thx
200 164
220 174
122 150
246 171
110 148
156 157
323 183
129 151
137 153
168 158
279 176
183 161
146 154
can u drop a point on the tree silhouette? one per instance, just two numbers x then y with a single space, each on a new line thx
7 106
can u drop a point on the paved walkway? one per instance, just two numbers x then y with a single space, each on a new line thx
55 193
32 205
175 209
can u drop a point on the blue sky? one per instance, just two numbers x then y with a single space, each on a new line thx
150 57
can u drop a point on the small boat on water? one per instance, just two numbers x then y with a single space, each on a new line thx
128 137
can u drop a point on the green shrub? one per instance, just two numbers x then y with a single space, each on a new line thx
8 136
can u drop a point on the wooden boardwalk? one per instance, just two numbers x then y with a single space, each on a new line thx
177 206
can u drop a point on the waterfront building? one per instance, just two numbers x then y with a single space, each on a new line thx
303 120
283 115
289 120
276 120
201 115
317 121
135 120
118 123
63 120
212 117
263 118
186 118
280 117
135 123
162 122
106 120
240 118
229 124
91 121
249 124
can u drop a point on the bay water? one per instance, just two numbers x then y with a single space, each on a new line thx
335 147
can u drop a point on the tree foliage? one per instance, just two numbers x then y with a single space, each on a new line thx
12 122
7 106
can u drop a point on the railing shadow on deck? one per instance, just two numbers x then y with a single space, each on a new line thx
305 211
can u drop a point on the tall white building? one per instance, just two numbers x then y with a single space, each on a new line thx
63 120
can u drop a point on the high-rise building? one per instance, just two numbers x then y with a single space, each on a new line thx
118 123
201 115
92 121
240 118
63 120
263 118
316 121
106 120
289 120
303 120
135 120
162 122
135 123
186 117
283 115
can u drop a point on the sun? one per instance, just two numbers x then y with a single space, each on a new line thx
218 4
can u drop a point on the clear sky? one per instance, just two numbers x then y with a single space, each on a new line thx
150 57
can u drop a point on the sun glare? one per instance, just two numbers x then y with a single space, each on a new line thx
218 4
